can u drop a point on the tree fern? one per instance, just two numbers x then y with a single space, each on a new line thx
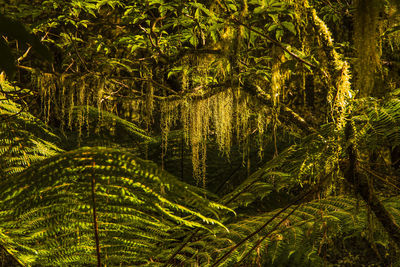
300 164
300 240
23 138
48 207
378 122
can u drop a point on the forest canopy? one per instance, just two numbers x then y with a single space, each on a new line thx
200 133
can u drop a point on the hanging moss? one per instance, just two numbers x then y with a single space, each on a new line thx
242 114
46 86
98 101
169 115
278 76
81 100
184 112
222 105
148 104
199 114
63 100
263 121
71 105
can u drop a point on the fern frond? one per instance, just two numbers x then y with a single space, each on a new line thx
378 122
24 139
48 207
107 120
298 241
297 165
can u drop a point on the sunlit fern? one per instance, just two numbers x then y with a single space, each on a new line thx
305 163
48 208
145 214
378 122
300 240
23 138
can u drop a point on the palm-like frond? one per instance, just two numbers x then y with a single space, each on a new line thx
301 164
300 240
107 123
144 214
18 254
49 207
378 122
23 138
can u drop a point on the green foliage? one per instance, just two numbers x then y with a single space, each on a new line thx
48 207
301 238
24 139
105 128
199 83
121 125
378 122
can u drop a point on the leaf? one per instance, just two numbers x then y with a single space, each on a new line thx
278 34
193 40
139 207
289 26
273 27
258 10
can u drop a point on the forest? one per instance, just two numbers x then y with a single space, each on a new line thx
200 133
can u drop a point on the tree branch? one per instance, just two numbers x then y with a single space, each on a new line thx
280 45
